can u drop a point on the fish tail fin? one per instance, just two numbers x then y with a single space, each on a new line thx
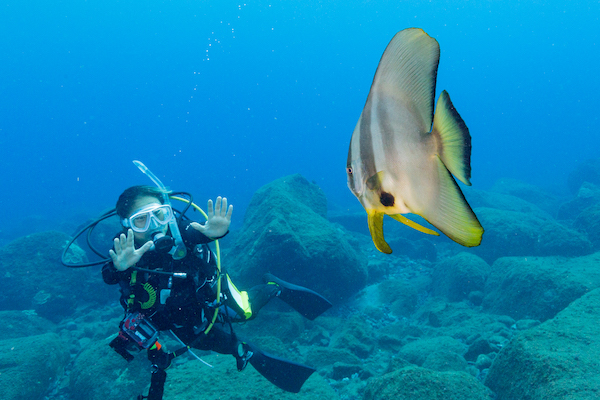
413 224
452 214
454 139
376 229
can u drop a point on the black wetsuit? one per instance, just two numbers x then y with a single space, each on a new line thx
185 305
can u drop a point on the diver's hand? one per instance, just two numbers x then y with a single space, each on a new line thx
218 221
125 254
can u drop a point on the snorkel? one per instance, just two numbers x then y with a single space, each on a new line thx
178 250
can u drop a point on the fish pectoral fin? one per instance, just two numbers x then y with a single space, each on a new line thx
454 139
451 213
376 229
374 181
413 224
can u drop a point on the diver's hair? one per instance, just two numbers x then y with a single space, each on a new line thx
129 196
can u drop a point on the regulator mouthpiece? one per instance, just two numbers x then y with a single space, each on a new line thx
162 243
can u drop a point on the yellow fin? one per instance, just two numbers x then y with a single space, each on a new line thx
376 229
454 139
413 224
451 213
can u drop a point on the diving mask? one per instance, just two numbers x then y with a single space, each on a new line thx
141 220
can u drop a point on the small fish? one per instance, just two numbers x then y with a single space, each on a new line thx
398 163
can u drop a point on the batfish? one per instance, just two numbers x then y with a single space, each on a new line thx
402 157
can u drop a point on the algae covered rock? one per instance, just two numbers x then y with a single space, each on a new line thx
35 279
30 365
533 194
193 380
458 276
555 360
539 287
16 324
417 352
99 373
515 233
286 233
419 383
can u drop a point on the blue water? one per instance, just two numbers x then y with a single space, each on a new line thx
221 97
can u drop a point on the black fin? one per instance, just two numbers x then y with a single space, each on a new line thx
284 374
308 303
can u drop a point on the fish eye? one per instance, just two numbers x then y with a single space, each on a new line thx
349 170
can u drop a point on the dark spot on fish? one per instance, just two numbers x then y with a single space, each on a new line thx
386 199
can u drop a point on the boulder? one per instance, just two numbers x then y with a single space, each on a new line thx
555 360
539 287
286 233
417 352
530 193
456 277
99 373
515 233
30 365
34 278
419 383
587 196
588 171
588 221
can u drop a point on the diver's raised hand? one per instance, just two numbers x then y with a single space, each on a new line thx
125 254
219 219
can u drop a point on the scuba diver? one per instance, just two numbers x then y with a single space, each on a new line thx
171 281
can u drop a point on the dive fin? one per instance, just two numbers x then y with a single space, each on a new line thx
413 224
455 140
376 229
284 374
307 302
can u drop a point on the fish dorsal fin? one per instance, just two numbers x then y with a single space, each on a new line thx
407 72
374 181
454 140
413 224
376 229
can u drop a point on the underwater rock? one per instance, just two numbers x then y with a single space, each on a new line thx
99 373
35 279
512 233
555 360
355 336
444 360
30 365
588 171
501 201
400 294
539 287
416 352
193 380
318 357
419 383
16 324
456 277
533 194
587 196
588 221
286 233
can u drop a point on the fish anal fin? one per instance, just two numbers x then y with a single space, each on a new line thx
451 213
413 224
454 139
376 228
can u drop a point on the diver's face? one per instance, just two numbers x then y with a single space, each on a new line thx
142 202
